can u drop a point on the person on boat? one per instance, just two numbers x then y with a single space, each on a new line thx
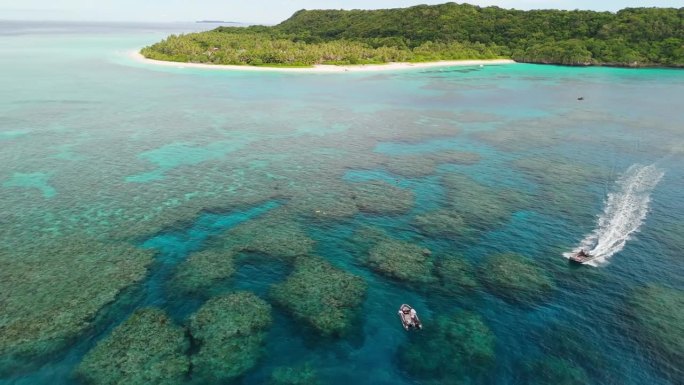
409 317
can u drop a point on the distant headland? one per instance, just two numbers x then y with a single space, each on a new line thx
632 37
217 22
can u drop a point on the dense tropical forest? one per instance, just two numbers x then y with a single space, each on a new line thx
632 37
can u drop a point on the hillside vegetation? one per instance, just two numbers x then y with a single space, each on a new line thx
630 37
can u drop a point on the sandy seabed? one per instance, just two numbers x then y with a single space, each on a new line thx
323 68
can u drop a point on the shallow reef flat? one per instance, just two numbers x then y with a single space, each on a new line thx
522 135
422 165
147 348
402 125
277 234
441 223
378 197
321 295
54 290
324 200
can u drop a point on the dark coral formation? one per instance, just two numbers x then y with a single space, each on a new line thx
522 135
276 234
230 332
321 295
515 278
455 275
554 370
146 349
657 313
578 351
52 295
440 223
366 237
480 206
455 157
380 197
401 260
453 350
411 166
562 184
296 375
424 164
55 278
202 270
331 200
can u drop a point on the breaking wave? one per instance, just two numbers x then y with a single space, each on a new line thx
625 210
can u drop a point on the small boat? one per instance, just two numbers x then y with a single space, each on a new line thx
409 317
582 257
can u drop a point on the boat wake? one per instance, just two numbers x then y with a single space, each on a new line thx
625 210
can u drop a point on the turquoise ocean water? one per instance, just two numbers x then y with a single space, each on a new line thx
115 175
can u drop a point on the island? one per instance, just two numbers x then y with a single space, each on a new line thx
216 22
632 37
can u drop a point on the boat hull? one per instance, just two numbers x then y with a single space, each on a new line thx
581 258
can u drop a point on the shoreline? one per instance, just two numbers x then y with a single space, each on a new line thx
323 68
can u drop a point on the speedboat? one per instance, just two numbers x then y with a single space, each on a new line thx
409 317
582 257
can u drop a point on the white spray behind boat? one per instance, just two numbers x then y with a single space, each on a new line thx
625 210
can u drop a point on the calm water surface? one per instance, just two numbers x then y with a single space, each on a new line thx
114 173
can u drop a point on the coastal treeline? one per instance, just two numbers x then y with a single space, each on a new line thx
630 37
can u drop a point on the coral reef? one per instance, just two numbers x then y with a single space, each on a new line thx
52 293
479 205
321 295
297 375
146 349
515 278
230 332
554 370
401 260
657 313
332 201
522 135
276 234
366 237
441 223
454 350
411 166
380 197
201 270
455 157
455 275
422 165
562 185
576 349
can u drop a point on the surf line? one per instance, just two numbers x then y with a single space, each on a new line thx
624 212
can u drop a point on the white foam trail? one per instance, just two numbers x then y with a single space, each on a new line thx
624 212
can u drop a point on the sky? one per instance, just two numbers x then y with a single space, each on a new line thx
258 11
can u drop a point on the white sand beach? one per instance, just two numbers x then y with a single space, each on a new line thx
324 68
